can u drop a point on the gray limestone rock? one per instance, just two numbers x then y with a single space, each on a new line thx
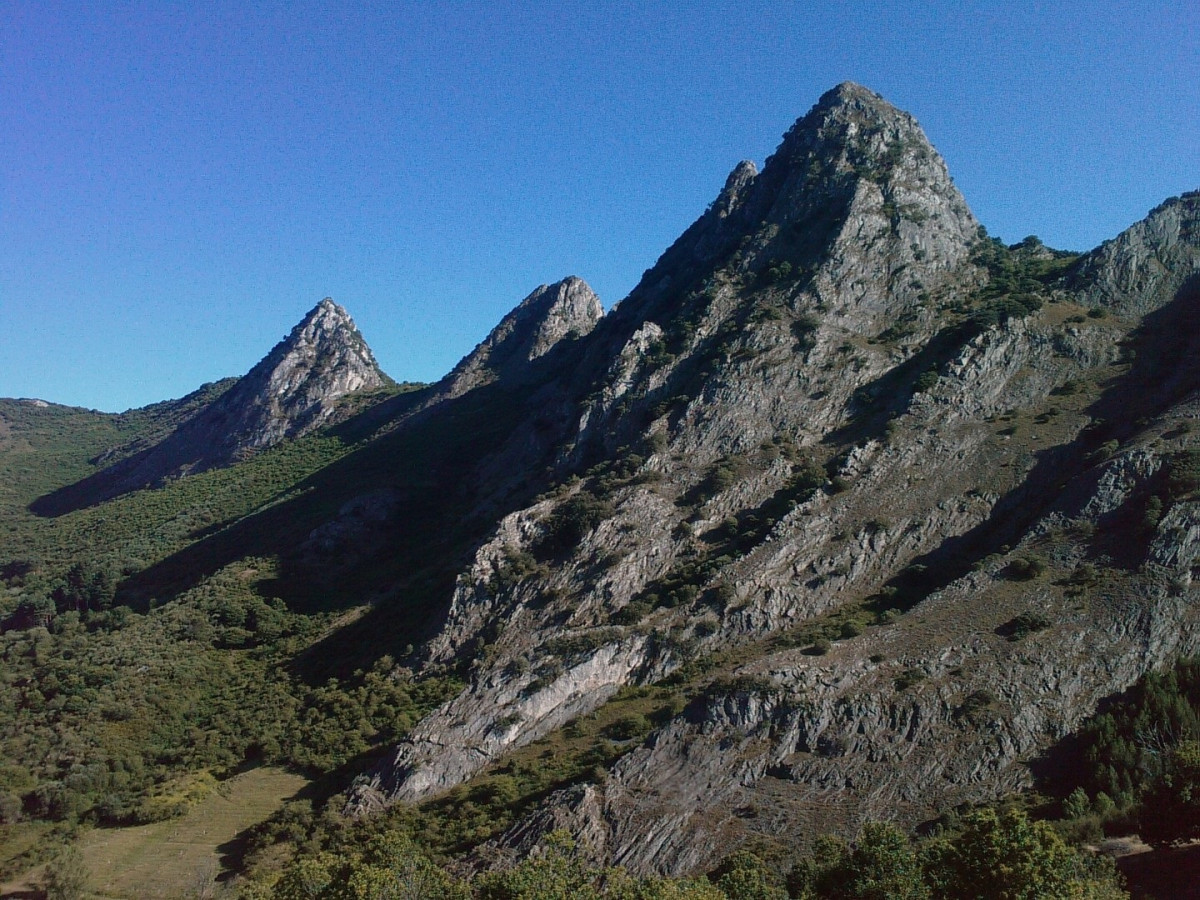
1146 265
297 388
702 406
567 309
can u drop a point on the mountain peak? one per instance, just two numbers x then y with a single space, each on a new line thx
854 188
857 172
850 92
328 311
550 314
857 128
325 323
295 389
739 180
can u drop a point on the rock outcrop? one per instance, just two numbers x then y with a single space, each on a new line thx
565 310
297 388
835 443
1146 266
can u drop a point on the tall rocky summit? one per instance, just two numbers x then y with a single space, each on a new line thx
810 473
294 390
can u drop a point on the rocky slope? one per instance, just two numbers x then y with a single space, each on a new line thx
294 390
868 486
566 310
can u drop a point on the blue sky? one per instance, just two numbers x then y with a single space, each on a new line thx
181 182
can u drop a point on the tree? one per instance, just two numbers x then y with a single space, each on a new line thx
881 866
396 869
744 876
559 874
1171 806
1077 805
312 878
1005 856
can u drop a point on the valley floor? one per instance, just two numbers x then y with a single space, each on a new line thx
177 857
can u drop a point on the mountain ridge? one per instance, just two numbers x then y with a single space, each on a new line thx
847 513
292 391
901 279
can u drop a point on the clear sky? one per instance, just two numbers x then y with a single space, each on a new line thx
180 182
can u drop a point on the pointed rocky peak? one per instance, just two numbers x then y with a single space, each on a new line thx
297 386
854 155
731 195
327 332
851 120
855 191
568 309
565 310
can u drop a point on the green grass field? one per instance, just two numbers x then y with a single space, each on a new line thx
180 857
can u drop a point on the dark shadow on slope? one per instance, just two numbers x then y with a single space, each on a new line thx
449 490
146 469
888 396
183 449
427 466
1163 874
1164 370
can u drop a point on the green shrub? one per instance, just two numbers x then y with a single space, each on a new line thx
1077 805
976 706
1025 624
570 522
627 728
925 381
1183 474
1026 568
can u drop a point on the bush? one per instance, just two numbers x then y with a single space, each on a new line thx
1183 474
1077 805
1171 808
881 866
1025 624
570 522
975 707
66 876
744 876
1026 568
627 728
1000 856
925 381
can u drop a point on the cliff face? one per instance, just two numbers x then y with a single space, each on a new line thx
836 443
1144 268
294 390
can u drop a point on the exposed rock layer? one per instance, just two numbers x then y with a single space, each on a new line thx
820 314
